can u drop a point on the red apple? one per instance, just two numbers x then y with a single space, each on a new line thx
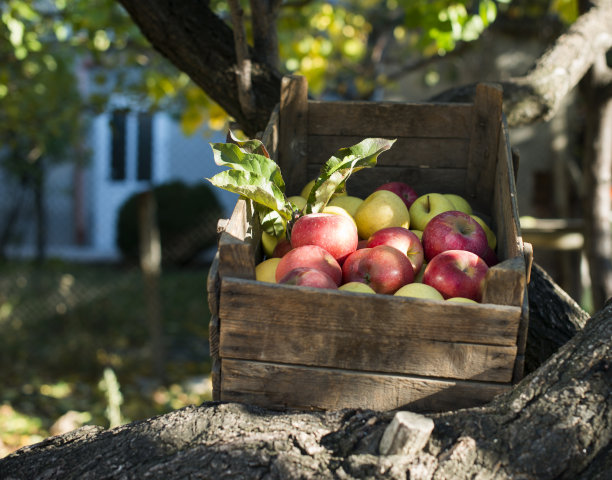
404 240
453 230
335 233
311 256
383 268
457 273
490 257
308 277
282 247
403 190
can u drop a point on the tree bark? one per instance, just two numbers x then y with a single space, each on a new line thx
200 44
556 423
597 167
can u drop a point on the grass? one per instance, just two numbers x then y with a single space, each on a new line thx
68 329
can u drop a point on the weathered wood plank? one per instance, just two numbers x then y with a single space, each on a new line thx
293 118
238 243
372 350
368 315
484 140
288 386
389 119
505 283
406 151
505 204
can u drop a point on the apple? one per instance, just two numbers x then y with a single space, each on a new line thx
459 203
381 209
311 256
282 247
453 230
335 233
385 269
266 271
403 190
419 290
457 273
426 207
356 287
460 300
490 257
404 240
491 237
349 202
308 277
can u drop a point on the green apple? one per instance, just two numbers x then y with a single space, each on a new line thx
419 290
426 207
348 202
266 270
418 233
356 287
459 203
491 238
461 300
298 201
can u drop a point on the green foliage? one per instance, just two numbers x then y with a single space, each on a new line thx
187 219
254 175
63 324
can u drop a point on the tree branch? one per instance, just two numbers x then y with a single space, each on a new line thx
538 95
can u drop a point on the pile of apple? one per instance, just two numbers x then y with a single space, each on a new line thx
393 242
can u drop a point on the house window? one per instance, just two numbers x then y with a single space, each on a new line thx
144 162
118 146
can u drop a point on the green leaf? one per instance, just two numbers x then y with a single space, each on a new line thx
230 154
248 146
339 167
255 187
271 221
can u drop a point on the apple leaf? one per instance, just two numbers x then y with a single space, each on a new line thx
255 187
339 167
249 145
271 221
232 155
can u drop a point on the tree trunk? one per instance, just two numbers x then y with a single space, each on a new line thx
556 423
200 44
597 167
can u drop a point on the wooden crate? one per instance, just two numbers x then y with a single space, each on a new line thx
283 346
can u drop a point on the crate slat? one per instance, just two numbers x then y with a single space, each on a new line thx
292 386
406 151
368 314
389 119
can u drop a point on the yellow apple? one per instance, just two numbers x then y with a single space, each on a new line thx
338 211
356 287
266 270
381 209
348 202
459 203
419 290
491 238
461 300
426 207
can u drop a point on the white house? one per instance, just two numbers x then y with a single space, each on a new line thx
130 152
